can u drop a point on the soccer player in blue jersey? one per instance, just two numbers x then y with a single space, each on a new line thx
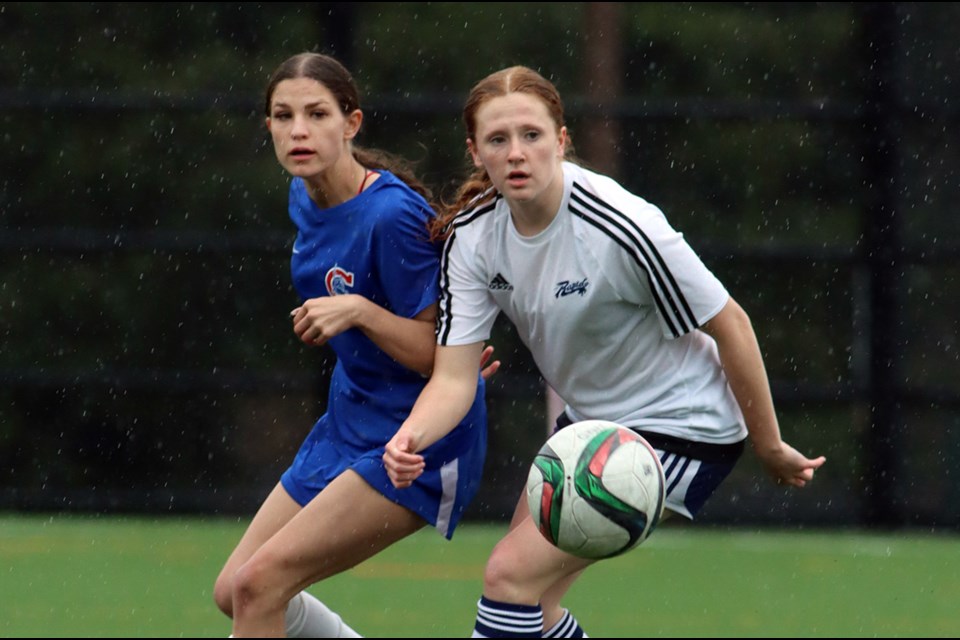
366 270
622 318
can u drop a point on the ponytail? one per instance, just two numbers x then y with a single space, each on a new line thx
476 189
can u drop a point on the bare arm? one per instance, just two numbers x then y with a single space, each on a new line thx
743 365
409 341
442 404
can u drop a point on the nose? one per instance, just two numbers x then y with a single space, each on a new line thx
515 152
299 128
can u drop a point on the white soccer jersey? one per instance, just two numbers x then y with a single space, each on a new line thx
607 299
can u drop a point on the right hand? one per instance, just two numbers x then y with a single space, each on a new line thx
319 319
788 466
403 464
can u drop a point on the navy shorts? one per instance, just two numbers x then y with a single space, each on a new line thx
693 470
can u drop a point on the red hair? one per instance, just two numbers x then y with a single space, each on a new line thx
518 79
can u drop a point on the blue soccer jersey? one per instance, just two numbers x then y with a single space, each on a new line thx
377 245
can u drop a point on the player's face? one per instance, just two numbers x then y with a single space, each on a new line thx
519 145
310 132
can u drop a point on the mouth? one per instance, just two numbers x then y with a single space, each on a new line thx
301 153
517 178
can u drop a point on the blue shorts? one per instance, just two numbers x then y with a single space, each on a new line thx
440 495
693 470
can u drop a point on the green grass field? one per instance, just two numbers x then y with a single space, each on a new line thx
72 576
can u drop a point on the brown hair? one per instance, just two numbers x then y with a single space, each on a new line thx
335 77
518 79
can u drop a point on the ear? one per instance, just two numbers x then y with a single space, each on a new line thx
267 121
473 154
562 142
352 128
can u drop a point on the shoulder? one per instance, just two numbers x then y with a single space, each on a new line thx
389 196
603 202
390 185
389 181
393 209
480 215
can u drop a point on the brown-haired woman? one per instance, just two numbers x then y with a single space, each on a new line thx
366 271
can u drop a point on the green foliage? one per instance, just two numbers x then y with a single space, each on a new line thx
457 44
731 50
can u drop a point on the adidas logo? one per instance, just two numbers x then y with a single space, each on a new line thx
499 283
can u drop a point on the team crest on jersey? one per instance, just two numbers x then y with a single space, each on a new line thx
566 288
338 281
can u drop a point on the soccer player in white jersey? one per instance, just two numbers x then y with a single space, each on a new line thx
366 271
622 318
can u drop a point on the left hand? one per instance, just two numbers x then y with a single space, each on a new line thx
488 370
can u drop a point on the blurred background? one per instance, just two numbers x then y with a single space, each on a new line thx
808 152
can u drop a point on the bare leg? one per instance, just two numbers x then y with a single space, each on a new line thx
274 513
347 523
503 583
550 600
524 566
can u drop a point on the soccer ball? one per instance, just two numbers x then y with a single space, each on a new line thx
596 489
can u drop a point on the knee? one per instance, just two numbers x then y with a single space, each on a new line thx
500 576
223 592
253 590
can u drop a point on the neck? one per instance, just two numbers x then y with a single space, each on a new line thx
337 184
530 217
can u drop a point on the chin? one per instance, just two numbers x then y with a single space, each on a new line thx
519 195
302 170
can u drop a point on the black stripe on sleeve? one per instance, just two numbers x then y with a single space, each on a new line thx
666 292
445 313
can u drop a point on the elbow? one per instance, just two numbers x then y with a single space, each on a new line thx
731 322
739 319
422 362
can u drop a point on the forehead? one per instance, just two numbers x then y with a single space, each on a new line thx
513 110
300 91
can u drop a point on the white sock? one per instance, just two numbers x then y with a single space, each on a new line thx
307 617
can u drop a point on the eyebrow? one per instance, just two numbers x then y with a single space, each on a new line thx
523 128
311 105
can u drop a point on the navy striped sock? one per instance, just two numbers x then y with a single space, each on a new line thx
503 620
567 627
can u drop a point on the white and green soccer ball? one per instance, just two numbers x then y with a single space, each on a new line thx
596 489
